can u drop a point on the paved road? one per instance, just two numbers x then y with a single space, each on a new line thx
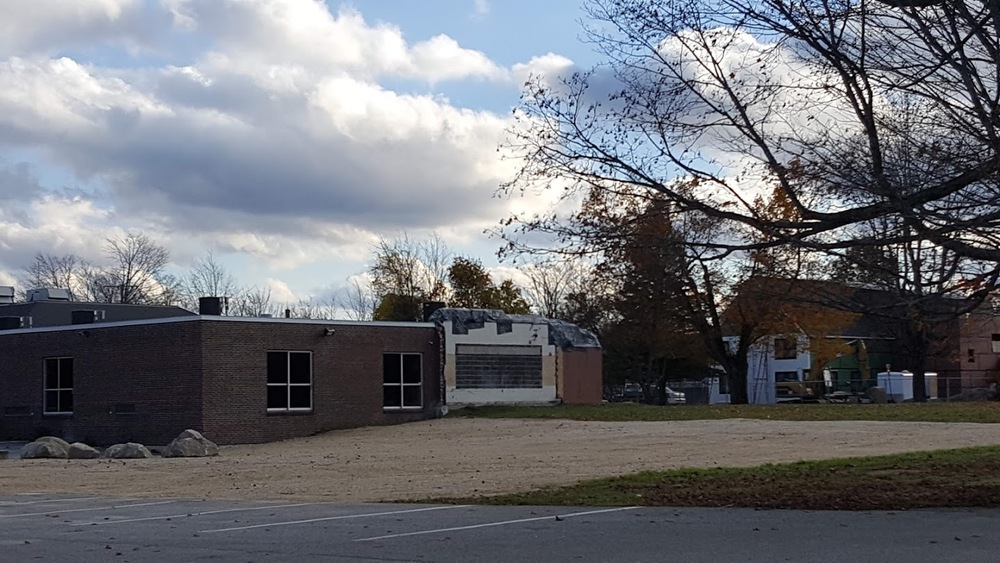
62 528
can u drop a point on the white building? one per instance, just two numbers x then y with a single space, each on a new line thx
771 359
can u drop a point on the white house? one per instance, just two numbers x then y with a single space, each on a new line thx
771 359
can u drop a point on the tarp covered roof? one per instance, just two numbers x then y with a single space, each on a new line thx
561 333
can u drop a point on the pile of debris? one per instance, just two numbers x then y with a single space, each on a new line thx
978 394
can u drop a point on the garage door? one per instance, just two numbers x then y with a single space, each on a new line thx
498 367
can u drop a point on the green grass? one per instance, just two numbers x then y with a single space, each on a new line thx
968 477
620 412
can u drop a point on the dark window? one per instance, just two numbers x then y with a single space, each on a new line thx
289 381
785 348
786 376
995 342
972 355
402 381
58 385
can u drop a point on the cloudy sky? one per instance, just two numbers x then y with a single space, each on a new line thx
285 136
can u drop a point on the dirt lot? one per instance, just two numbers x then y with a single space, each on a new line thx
460 457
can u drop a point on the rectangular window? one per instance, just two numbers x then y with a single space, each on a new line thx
972 355
289 381
58 385
402 381
786 376
785 348
995 342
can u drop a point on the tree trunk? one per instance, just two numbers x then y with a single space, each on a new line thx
737 372
920 378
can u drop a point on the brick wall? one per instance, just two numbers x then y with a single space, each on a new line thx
347 377
155 368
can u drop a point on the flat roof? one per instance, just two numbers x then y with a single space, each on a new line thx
214 318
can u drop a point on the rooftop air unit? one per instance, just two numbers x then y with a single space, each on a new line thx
49 294
6 294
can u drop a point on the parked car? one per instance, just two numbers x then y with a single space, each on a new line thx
676 397
633 392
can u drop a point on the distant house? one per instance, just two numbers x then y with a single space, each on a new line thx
494 358
849 358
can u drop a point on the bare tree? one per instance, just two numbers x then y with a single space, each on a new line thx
360 300
255 302
407 272
137 263
209 278
48 270
551 281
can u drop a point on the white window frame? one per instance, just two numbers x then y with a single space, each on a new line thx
58 388
402 386
288 381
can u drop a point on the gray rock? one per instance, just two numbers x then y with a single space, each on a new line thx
877 395
54 440
43 450
131 450
79 450
191 443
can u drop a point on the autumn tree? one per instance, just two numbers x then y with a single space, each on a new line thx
472 287
707 104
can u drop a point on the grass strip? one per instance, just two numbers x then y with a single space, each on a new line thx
968 477
987 412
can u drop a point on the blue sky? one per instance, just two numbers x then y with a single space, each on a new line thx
285 136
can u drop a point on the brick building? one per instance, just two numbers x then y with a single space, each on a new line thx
238 380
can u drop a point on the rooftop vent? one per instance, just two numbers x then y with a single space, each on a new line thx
49 294
85 316
6 294
12 323
211 305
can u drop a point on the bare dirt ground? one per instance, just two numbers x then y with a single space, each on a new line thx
463 457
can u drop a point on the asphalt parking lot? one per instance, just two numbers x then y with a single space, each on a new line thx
61 528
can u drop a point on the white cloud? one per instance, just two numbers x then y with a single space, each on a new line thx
46 26
480 9
276 140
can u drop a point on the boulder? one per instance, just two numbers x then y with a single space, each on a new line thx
131 450
44 450
191 443
79 450
877 395
56 441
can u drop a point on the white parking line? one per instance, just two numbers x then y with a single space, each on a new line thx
114 507
344 517
491 524
186 515
16 503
